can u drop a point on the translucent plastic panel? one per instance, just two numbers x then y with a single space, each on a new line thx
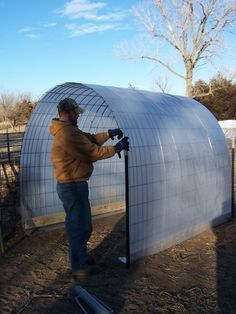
179 169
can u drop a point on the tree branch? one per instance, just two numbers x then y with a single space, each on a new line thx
167 66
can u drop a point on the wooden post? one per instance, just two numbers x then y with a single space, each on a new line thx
232 210
8 148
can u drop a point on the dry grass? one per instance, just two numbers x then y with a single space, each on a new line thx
5 127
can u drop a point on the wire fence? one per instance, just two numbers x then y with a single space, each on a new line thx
10 150
10 147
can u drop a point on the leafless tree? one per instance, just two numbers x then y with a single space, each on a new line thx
15 109
162 82
131 86
194 29
7 104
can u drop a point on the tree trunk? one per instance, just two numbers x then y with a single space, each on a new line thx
189 79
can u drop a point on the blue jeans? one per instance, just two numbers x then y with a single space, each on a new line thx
75 199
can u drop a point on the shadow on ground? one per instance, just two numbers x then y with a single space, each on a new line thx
196 276
226 267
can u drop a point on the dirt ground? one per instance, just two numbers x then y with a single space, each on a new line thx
196 276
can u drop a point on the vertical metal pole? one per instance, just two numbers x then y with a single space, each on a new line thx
232 210
127 208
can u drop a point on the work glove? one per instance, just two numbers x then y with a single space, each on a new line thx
122 144
115 132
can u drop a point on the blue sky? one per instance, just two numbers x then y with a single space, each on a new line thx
49 42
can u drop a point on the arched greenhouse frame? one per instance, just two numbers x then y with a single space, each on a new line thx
179 168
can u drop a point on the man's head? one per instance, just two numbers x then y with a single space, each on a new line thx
69 110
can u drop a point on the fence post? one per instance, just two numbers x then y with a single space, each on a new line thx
233 144
8 147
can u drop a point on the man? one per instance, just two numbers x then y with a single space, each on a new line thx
73 154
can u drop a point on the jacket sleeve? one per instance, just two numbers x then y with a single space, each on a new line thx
99 138
79 145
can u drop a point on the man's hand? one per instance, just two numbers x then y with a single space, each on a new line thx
115 132
122 144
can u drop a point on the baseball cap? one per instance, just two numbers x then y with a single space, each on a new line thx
68 105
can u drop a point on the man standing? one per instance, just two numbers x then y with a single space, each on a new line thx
73 154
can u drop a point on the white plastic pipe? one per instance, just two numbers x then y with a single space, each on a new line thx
94 303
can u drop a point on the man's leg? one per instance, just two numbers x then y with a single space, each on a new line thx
74 197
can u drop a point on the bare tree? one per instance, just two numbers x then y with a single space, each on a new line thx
15 109
163 84
131 86
192 28
7 104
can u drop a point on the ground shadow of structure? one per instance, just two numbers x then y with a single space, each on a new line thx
226 266
182 278
33 293
196 276
115 278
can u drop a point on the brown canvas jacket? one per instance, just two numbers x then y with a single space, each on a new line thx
74 151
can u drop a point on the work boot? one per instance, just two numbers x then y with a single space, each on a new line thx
85 272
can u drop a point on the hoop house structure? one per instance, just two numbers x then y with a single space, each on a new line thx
179 167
